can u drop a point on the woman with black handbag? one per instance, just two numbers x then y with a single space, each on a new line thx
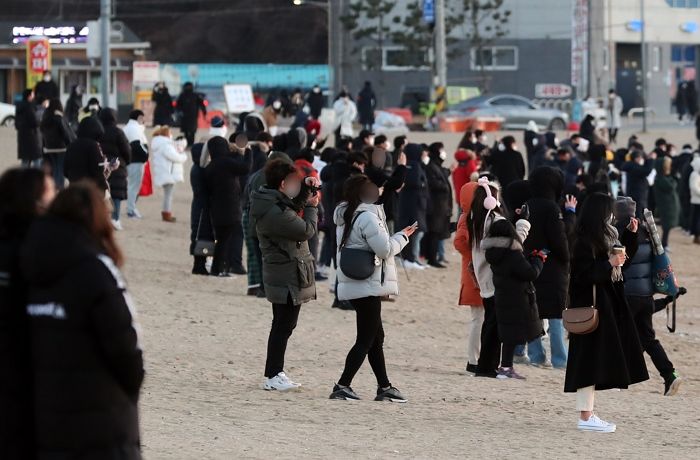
610 356
366 273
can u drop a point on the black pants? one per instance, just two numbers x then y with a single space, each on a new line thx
665 233
507 352
695 219
223 237
490 343
642 309
234 252
189 135
369 342
284 320
432 241
612 132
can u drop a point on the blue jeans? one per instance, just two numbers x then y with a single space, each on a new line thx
116 208
536 351
417 237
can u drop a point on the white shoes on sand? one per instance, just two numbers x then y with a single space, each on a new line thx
595 424
280 382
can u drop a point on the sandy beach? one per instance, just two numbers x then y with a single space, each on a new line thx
205 342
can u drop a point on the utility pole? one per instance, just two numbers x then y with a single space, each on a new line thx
331 66
440 47
643 51
105 18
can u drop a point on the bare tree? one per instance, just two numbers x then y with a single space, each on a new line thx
486 22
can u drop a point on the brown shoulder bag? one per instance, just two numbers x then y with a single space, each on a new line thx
582 320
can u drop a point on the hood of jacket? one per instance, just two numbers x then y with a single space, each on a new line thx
91 128
466 195
413 152
254 124
516 194
52 247
264 199
108 117
339 220
696 164
498 247
547 182
159 142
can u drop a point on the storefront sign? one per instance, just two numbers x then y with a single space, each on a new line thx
38 59
579 45
552 90
59 34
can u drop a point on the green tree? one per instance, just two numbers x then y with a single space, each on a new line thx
486 22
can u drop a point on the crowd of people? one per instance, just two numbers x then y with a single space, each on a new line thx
557 226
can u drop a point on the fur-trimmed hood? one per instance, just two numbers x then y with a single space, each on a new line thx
497 248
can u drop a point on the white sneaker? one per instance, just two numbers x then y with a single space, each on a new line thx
117 225
280 382
413 266
595 424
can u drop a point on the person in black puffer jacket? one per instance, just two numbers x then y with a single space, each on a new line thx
506 162
86 390
222 179
516 306
115 146
26 193
84 157
639 292
548 231
57 135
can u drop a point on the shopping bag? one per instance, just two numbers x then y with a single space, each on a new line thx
147 181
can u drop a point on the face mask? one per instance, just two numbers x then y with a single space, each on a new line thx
94 107
501 147
277 105
443 155
425 160
292 190
47 77
317 90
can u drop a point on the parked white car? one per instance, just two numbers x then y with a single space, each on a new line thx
7 115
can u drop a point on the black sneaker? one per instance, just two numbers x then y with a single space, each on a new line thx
471 368
343 394
671 384
391 395
260 293
489 374
342 305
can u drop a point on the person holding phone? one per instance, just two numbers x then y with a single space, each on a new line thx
361 224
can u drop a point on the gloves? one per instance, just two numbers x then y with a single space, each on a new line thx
540 254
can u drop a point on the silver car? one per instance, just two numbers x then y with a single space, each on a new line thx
516 111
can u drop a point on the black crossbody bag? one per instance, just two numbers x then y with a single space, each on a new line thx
358 264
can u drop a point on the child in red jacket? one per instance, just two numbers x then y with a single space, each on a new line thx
466 166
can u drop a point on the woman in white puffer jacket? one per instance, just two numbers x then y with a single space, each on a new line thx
167 159
361 224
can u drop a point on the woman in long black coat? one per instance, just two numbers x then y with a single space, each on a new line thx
163 112
115 146
440 204
611 356
222 179
413 199
84 157
548 231
27 126
57 135
190 104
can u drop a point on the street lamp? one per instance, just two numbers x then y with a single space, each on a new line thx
328 8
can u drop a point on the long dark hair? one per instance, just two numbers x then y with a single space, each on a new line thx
592 224
21 191
352 193
54 106
82 203
477 217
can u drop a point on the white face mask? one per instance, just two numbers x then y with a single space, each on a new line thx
47 77
425 160
94 107
443 155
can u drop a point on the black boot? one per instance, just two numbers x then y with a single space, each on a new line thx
200 266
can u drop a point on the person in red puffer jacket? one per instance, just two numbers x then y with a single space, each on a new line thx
466 166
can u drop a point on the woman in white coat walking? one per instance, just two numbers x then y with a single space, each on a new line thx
614 106
167 161
361 224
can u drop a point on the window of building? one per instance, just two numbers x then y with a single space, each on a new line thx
683 3
495 58
683 53
394 58
656 58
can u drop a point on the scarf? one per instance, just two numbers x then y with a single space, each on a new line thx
612 238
